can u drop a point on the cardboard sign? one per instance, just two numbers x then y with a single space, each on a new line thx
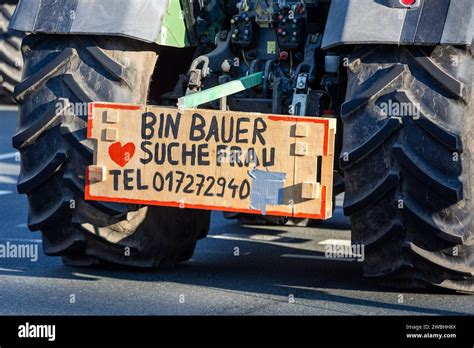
208 159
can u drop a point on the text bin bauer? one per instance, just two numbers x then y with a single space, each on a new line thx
208 159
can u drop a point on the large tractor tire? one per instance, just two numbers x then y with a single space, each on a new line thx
75 70
10 55
408 175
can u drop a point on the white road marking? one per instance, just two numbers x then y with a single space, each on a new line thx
9 169
228 237
265 237
344 242
253 238
21 240
7 180
317 257
8 155
3 192
9 270
22 226
8 108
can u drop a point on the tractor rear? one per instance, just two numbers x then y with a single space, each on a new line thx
398 89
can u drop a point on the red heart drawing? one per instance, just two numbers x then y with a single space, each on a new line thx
121 154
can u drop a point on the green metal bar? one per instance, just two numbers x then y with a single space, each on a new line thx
173 30
217 92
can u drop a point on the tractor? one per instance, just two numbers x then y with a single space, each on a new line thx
396 75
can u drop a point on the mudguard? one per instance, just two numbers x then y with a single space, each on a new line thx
426 22
145 20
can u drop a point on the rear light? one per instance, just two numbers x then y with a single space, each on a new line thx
408 3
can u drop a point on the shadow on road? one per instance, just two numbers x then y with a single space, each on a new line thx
258 271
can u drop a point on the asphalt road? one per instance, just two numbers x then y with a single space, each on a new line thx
279 271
